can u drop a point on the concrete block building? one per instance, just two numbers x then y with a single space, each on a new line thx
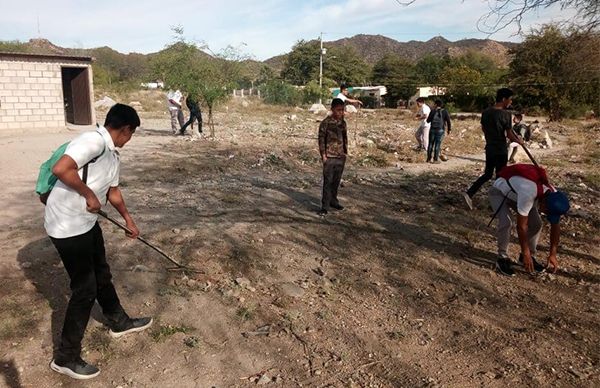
45 91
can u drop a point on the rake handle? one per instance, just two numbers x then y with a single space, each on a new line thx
125 228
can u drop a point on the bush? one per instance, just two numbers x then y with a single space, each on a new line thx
280 93
312 93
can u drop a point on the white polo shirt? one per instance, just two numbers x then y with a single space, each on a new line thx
526 192
175 96
66 211
424 112
341 96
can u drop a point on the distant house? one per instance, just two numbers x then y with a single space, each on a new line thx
374 92
45 91
428 91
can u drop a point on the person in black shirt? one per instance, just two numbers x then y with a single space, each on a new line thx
195 114
439 118
496 123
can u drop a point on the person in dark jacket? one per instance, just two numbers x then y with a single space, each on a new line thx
195 114
333 147
439 118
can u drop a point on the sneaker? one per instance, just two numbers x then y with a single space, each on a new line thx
322 212
77 369
537 267
504 266
337 206
132 326
468 200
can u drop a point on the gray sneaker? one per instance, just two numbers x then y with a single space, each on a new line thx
132 326
77 369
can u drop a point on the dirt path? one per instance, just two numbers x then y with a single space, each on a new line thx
394 291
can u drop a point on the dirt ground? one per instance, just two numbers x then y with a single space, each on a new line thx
397 290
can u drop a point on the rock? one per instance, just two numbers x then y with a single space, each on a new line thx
292 117
547 141
264 379
244 283
351 109
105 102
317 108
245 104
192 342
292 290
370 143
176 230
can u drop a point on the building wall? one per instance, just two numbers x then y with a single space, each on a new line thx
31 94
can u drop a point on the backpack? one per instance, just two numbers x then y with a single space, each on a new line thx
437 122
47 180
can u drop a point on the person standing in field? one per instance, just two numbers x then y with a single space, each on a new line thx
439 118
422 133
496 124
174 99
333 147
195 114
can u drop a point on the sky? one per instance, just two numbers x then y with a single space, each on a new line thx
261 29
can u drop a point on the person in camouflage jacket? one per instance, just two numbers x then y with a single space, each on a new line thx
333 147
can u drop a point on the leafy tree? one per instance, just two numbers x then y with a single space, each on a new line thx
184 66
398 75
341 64
557 70
429 68
302 63
463 86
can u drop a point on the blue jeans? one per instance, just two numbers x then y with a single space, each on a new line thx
435 143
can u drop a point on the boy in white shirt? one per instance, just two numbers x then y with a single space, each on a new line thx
72 224
422 133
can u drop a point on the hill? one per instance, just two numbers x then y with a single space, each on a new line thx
373 47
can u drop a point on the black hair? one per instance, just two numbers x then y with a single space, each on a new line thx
337 102
421 99
503 93
121 115
343 86
439 103
519 115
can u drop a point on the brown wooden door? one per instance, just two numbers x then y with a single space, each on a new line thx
76 91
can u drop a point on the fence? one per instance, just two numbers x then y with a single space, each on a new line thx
243 93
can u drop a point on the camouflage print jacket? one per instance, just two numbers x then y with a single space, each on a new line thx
333 138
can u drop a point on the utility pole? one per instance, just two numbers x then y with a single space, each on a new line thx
321 66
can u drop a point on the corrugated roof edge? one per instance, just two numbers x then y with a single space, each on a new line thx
4 54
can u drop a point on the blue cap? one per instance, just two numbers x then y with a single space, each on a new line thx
557 204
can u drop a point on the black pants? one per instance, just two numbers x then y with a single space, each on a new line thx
194 115
332 176
84 259
494 161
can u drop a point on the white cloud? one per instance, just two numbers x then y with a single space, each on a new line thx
268 27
